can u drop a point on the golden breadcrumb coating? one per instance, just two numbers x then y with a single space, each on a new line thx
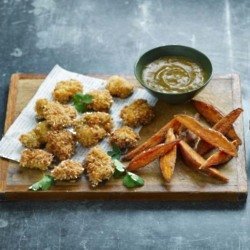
119 87
61 143
36 158
65 90
35 138
89 136
30 140
58 116
39 107
101 119
41 130
124 137
137 113
99 166
67 170
102 100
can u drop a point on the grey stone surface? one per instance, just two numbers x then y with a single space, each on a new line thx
107 36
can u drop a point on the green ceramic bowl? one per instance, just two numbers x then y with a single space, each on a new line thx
173 50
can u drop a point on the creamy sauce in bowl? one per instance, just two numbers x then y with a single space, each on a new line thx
173 74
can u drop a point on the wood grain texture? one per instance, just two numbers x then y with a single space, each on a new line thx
186 184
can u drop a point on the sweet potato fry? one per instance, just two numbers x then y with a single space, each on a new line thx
212 116
194 160
209 135
151 154
152 141
218 158
167 161
222 126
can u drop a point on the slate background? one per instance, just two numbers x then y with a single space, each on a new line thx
91 36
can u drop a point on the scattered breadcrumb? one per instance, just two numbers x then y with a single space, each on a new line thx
102 100
124 137
36 158
119 87
99 166
137 113
101 119
89 136
61 143
65 90
67 170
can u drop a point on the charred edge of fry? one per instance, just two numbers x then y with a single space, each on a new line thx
150 155
153 140
194 160
212 115
209 135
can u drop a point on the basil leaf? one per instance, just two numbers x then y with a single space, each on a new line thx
81 100
44 184
132 180
115 153
119 169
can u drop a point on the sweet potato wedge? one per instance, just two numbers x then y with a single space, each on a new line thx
153 140
194 160
212 115
167 161
218 158
222 126
149 155
209 135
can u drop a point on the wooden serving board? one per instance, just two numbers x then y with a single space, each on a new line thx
222 91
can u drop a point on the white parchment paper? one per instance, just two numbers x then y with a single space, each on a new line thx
11 148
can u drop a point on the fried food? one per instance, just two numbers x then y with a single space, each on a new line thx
218 158
194 160
65 90
155 139
36 137
30 140
222 126
36 158
167 161
89 136
67 170
124 137
39 107
209 135
137 113
58 116
99 166
61 143
119 87
149 155
212 116
102 100
101 119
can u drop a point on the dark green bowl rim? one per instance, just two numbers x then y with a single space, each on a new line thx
172 45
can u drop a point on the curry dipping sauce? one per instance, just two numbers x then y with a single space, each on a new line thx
173 74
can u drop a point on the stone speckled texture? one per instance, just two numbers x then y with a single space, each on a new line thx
107 37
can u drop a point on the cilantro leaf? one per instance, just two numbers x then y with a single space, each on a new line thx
115 153
44 184
81 100
132 180
119 169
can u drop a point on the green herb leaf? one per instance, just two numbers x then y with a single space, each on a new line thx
44 184
119 169
115 153
81 100
132 180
